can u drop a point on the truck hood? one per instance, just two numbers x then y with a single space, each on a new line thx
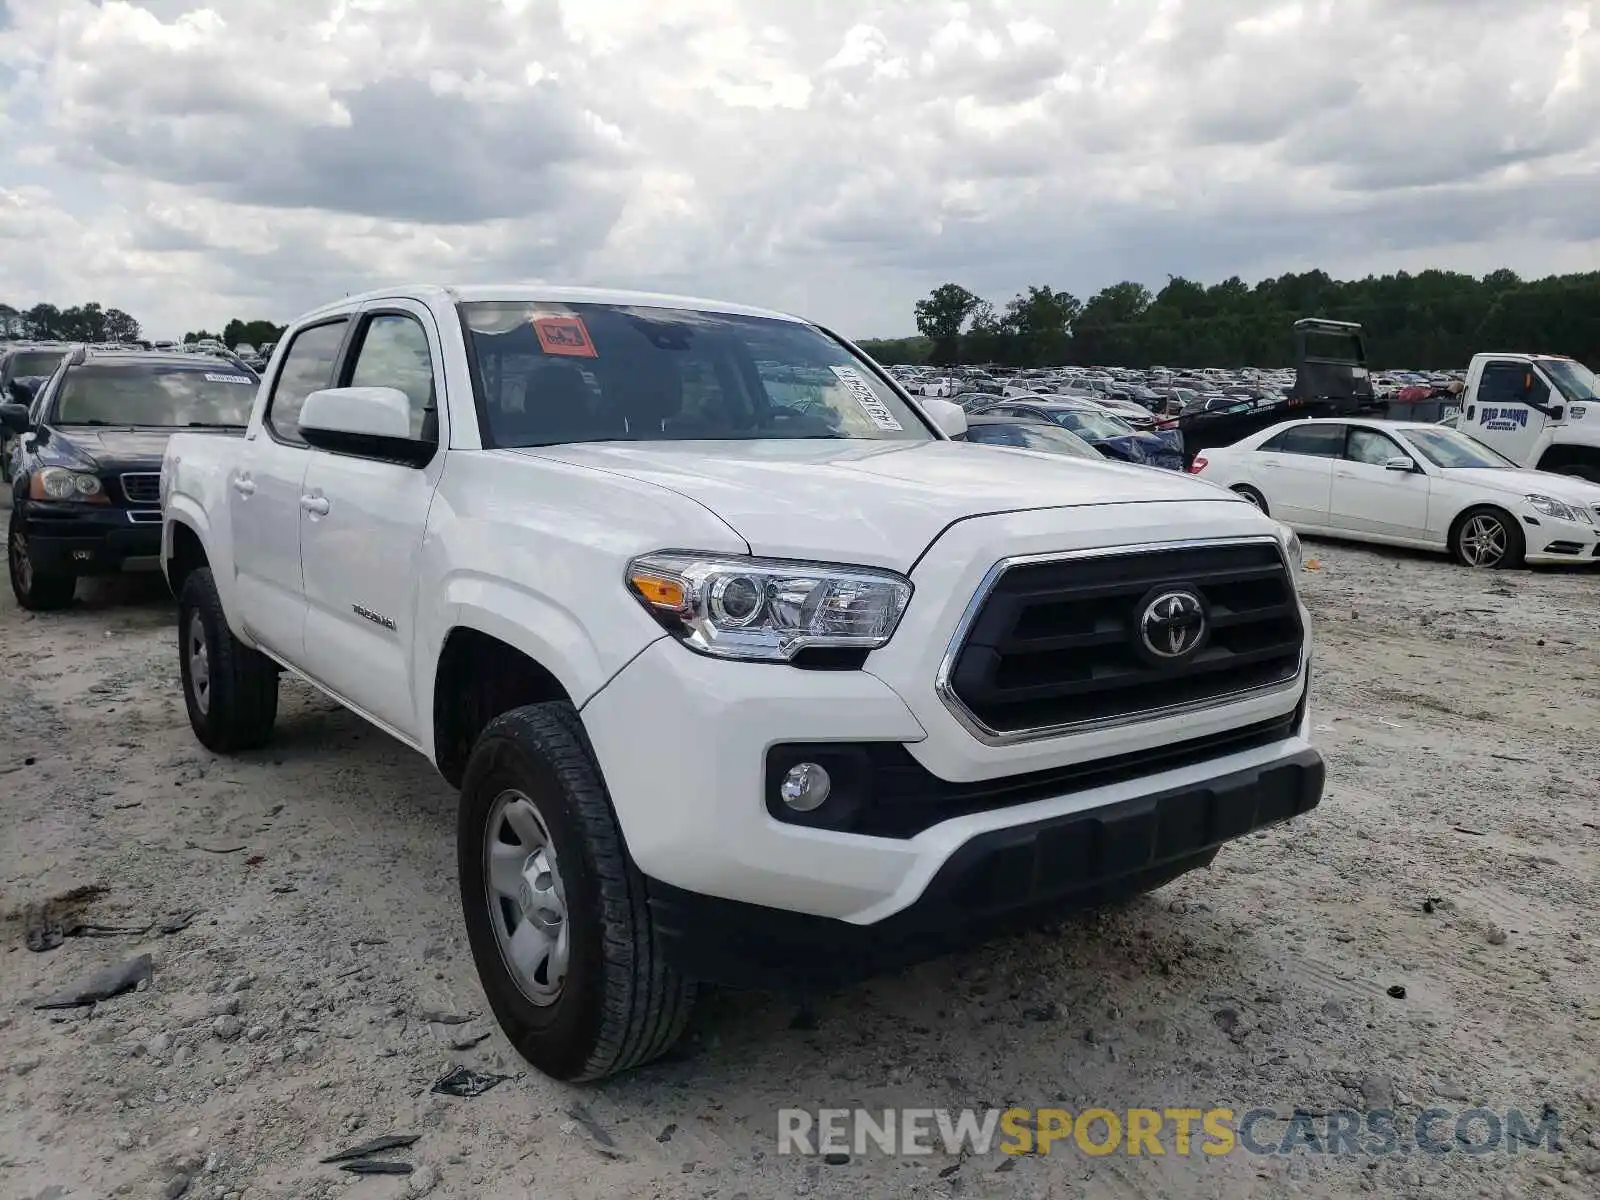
1567 488
872 503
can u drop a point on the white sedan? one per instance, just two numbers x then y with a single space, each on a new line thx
1410 484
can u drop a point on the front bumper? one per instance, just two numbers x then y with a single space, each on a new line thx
91 540
995 881
1548 540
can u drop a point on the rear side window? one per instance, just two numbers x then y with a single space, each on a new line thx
307 367
1317 439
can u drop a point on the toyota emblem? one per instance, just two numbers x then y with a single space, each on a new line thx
1173 625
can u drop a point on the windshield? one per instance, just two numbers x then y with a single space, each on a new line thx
154 395
549 374
1572 379
1096 426
32 364
1448 449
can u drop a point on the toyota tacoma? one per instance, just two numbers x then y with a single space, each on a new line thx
746 669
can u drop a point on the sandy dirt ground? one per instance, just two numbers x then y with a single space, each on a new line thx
1456 854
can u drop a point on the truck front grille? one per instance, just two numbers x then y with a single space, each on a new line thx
142 487
1068 641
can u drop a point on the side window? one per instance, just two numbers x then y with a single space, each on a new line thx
1318 439
307 367
1501 383
394 353
1371 447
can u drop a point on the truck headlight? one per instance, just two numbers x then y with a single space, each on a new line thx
58 483
768 610
1552 507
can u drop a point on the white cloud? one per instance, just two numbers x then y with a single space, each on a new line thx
192 160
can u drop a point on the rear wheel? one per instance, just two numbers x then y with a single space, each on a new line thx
230 690
36 590
1250 494
556 912
1487 537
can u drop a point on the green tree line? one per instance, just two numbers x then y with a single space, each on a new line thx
1433 319
93 322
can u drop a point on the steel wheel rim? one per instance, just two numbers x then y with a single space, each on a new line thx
198 652
1483 541
527 899
20 562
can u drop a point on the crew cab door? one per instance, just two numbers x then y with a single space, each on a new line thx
1368 497
264 496
1510 408
362 525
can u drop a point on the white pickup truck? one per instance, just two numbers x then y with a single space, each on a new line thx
1539 410
747 672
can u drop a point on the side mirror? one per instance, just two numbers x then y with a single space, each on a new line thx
374 422
21 391
1556 412
1400 462
14 418
950 418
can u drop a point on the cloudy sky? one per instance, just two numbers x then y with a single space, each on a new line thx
192 162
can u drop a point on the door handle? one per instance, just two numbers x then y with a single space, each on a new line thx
245 486
1345 474
317 506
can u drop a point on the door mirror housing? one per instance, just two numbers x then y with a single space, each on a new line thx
372 422
1400 462
14 418
1556 412
950 418
20 391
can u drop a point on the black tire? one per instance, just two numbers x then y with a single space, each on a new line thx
620 1003
35 590
1581 470
1462 534
238 705
1255 497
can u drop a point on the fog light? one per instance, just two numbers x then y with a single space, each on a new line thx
805 787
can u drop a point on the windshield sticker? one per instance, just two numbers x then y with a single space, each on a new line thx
564 335
861 392
210 378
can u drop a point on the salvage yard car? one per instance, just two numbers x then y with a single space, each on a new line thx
755 692
1410 484
85 492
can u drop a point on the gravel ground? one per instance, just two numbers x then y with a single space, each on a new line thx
1456 854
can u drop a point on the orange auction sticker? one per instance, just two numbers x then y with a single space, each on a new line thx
564 335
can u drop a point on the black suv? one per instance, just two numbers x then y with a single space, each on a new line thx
86 486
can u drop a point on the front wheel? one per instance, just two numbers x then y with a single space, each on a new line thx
36 590
556 912
230 690
1487 537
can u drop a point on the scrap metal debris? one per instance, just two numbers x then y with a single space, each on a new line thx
392 1141
376 1166
460 1081
103 985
